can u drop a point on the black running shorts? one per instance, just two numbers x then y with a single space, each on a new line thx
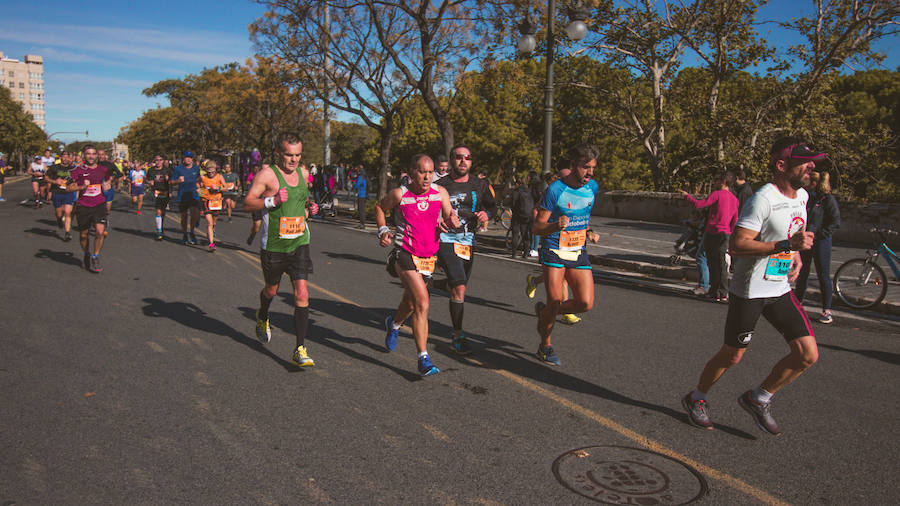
86 217
784 313
296 264
456 268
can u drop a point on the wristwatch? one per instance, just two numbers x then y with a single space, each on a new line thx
782 246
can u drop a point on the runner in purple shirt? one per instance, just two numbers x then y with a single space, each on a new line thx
90 181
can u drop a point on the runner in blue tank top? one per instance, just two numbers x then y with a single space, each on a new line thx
563 221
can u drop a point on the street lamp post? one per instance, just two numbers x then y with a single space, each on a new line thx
57 133
576 30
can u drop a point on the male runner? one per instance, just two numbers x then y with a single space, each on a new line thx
109 194
563 221
91 179
159 176
421 206
472 199
765 246
37 171
63 198
136 176
442 167
186 176
210 187
231 189
47 160
280 193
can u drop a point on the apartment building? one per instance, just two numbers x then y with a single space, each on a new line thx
25 80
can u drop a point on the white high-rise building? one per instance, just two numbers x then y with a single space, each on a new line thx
25 81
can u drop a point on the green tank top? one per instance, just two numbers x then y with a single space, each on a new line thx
284 227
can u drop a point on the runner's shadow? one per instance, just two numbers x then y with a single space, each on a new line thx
63 257
192 316
138 233
327 337
41 231
511 357
350 256
884 356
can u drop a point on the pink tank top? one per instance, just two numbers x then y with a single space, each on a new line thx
418 220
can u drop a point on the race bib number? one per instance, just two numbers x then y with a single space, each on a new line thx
215 204
424 266
93 190
138 180
572 240
463 251
778 266
229 186
291 227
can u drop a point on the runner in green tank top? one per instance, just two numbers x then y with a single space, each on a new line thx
280 193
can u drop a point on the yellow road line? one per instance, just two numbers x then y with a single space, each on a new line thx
650 444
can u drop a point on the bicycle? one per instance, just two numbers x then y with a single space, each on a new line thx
861 283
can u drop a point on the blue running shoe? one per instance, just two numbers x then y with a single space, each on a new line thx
546 355
390 339
426 368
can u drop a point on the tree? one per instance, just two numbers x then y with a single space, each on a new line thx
19 134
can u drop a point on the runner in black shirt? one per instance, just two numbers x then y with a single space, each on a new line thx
159 184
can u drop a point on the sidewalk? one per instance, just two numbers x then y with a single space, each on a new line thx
646 248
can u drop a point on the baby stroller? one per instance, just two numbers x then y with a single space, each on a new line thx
689 241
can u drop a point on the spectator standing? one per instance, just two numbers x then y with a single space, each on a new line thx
741 189
362 188
722 218
522 204
823 218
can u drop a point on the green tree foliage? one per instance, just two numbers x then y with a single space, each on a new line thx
19 134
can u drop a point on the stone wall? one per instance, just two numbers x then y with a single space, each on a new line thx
659 207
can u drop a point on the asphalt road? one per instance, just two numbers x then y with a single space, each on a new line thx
144 384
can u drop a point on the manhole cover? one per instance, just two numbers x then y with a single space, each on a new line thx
620 475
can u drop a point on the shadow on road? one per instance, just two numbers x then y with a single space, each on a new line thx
63 257
42 232
884 356
355 258
655 227
327 337
192 316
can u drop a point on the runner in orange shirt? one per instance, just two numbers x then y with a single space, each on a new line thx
211 186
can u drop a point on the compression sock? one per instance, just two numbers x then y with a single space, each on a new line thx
263 313
456 314
761 396
159 223
301 317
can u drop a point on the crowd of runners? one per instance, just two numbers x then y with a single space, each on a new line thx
437 210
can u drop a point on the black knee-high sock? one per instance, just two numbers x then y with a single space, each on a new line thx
264 302
301 316
456 314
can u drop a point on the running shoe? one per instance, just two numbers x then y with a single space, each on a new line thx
547 355
761 413
159 236
461 344
193 238
263 332
250 239
212 247
426 368
533 253
570 319
390 338
530 286
699 291
2 199
67 237
139 213
826 318
538 307
185 240
697 411
301 358
95 264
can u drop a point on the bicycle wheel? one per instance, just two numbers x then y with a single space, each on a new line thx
860 283
505 215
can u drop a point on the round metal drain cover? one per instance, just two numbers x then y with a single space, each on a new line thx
620 475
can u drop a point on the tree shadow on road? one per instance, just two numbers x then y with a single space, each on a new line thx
193 317
884 356
356 258
328 337
63 257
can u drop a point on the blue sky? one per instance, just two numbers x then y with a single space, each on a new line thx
99 55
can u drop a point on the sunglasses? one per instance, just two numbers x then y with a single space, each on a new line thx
463 157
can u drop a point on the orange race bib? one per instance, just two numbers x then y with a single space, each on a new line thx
93 190
138 180
572 240
463 251
215 203
424 265
292 227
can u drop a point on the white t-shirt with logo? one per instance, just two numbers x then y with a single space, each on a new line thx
776 218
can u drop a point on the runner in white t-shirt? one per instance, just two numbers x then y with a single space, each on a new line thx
765 246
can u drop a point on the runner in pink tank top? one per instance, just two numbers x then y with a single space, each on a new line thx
419 208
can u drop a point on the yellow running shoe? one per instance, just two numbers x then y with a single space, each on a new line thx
570 319
301 359
530 286
263 332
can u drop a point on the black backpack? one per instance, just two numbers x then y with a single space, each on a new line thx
523 203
